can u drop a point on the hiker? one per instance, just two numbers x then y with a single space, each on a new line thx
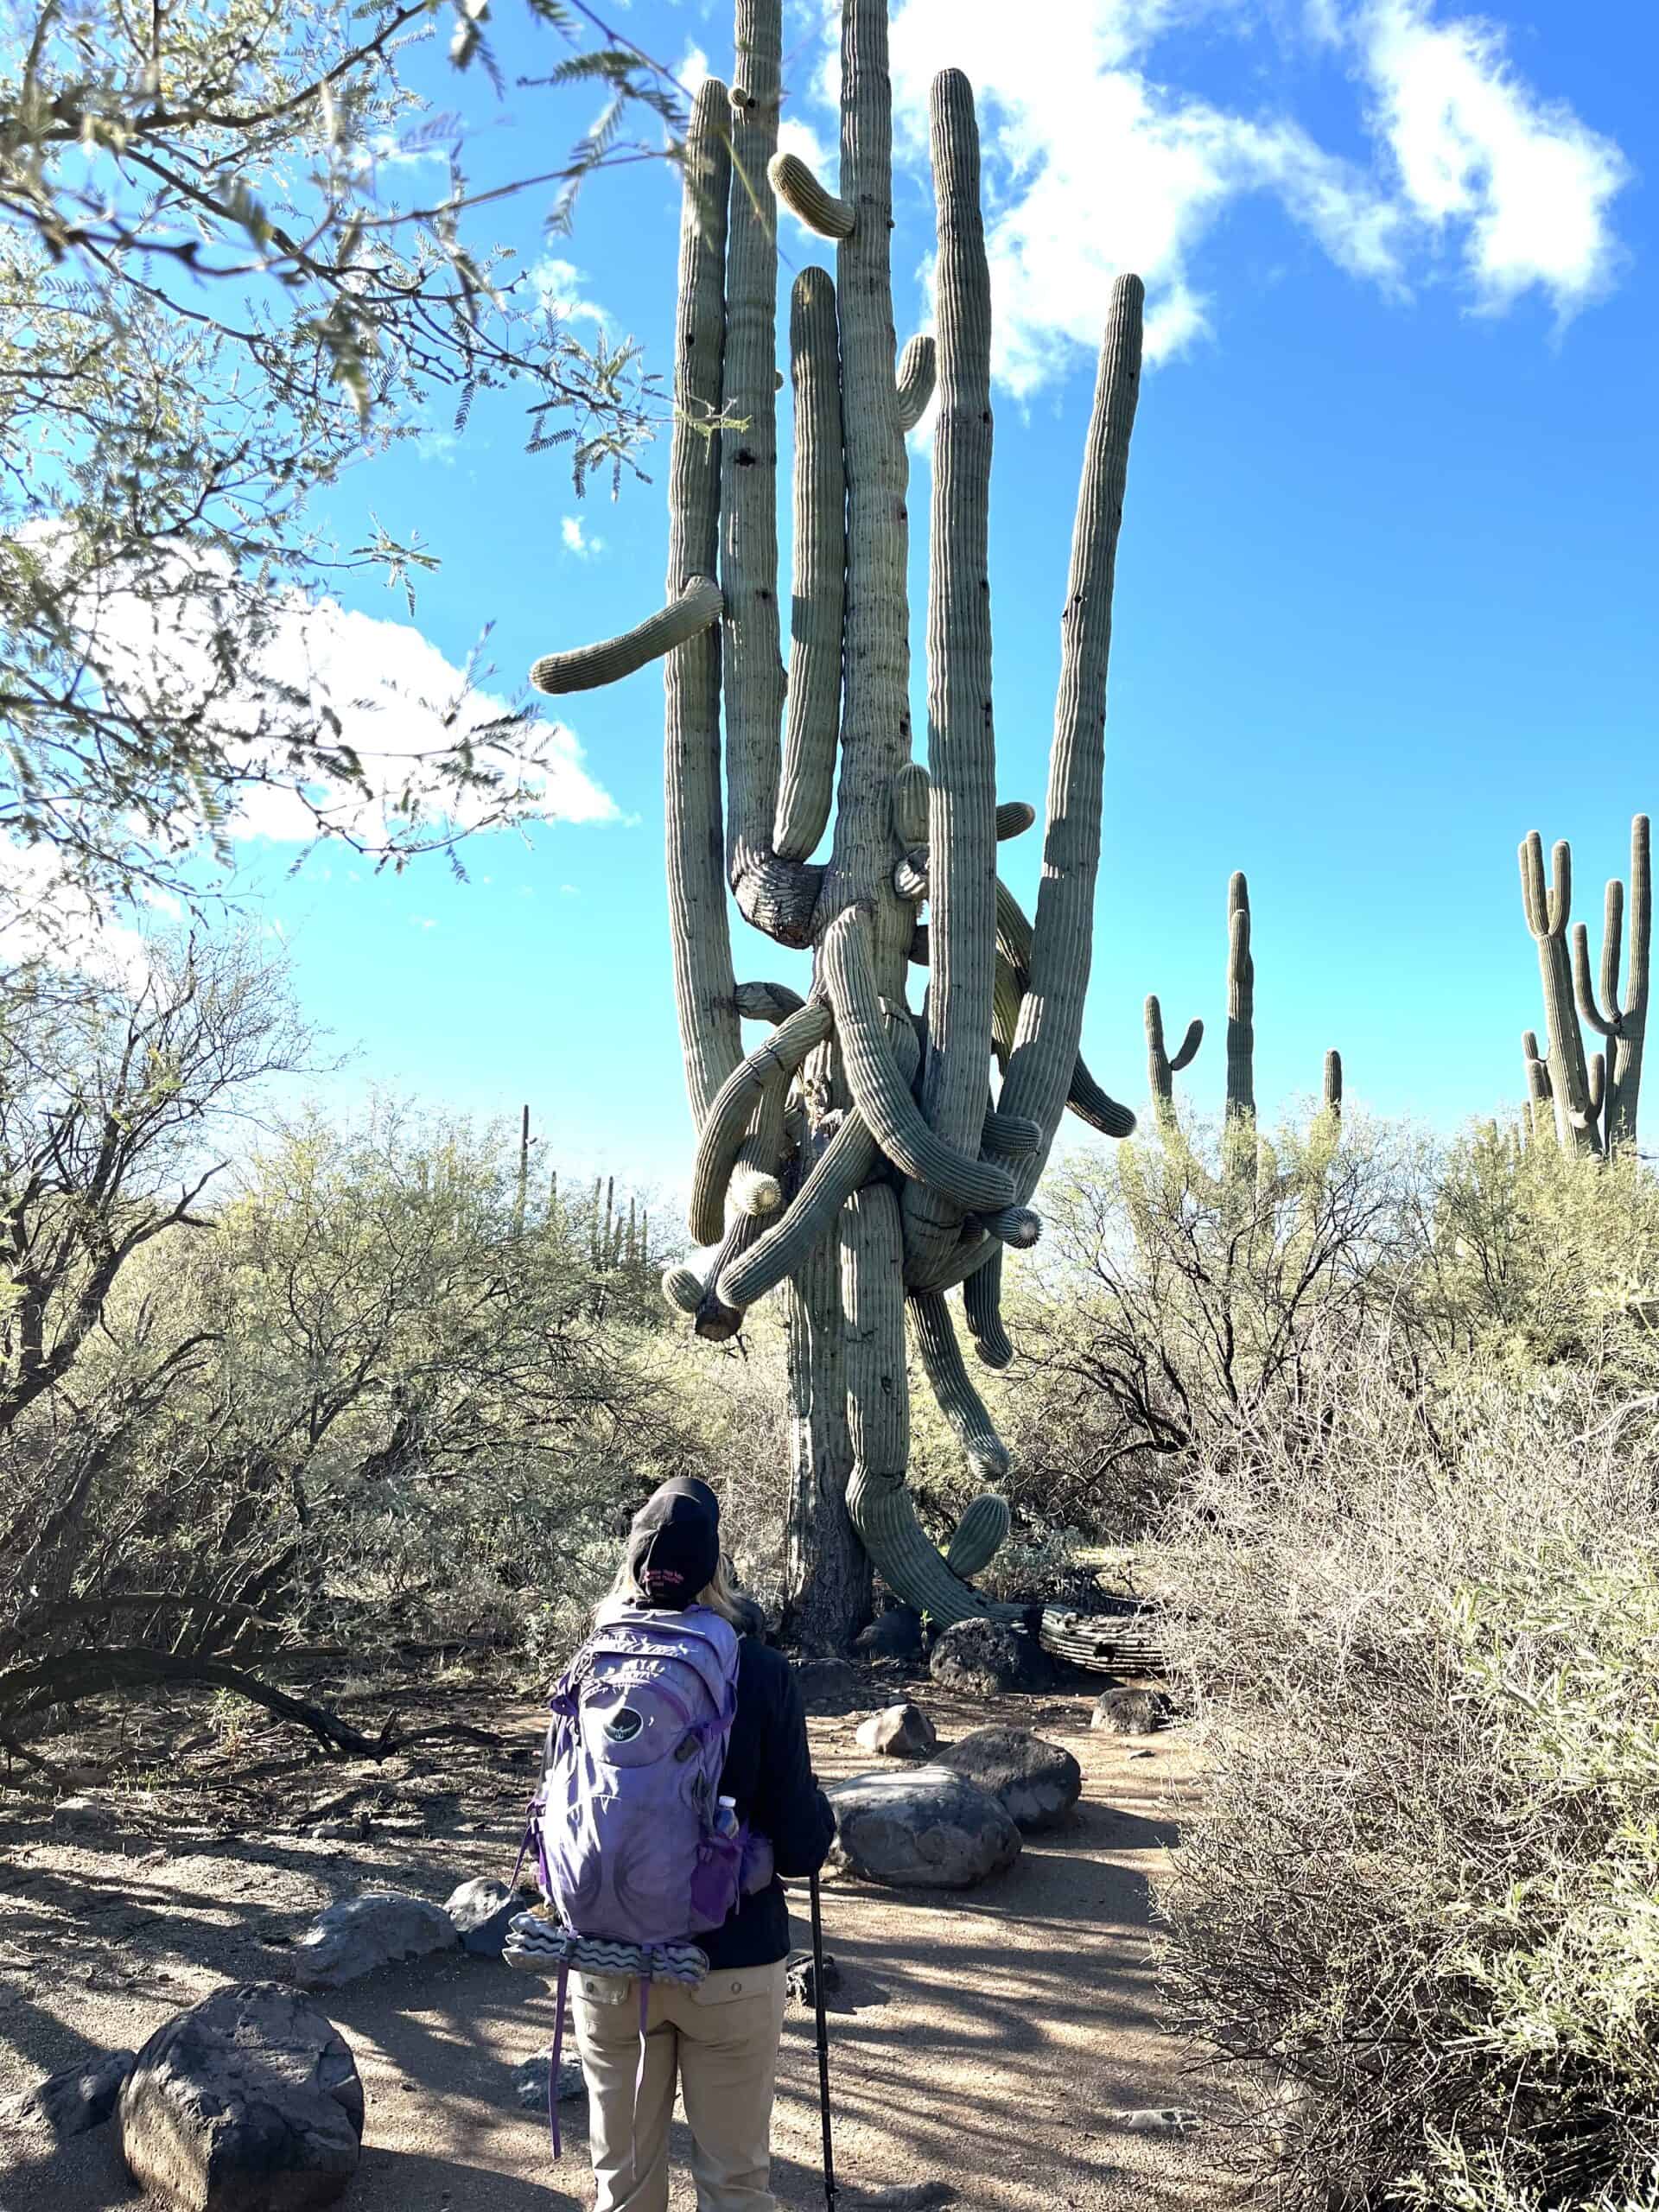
672 1635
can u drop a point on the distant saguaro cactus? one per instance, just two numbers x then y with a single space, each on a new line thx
1592 1097
1239 1143
855 1155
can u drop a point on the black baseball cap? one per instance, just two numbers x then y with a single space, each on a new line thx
674 1544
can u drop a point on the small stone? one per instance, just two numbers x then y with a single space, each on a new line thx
69 2103
1140 1751
801 1977
1035 1782
921 1828
1129 1712
529 2081
902 1731
248 2102
378 1929
480 1910
1168 2119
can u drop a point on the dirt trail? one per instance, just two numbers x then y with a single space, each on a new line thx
985 2039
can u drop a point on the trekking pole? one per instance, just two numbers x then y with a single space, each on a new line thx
831 2192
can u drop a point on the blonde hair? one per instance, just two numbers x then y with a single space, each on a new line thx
720 1595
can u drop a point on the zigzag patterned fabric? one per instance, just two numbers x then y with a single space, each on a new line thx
542 1946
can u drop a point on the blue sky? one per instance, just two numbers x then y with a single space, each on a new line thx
1385 589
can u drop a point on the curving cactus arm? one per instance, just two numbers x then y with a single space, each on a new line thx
981 1534
961 743
1623 1024
716 1322
1083 1095
1162 1067
981 1302
1547 908
820 561
914 380
1541 1105
756 1186
730 1117
1014 818
953 1386
845 1163
879 1090
772 1002
1007 1133
584 668
809 201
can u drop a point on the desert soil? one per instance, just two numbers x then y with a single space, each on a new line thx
989 2040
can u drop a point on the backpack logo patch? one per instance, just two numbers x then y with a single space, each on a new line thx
623 1726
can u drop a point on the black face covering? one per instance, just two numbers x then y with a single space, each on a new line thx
674 1549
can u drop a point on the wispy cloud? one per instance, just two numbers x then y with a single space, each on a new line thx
1095 161
577 540
561 286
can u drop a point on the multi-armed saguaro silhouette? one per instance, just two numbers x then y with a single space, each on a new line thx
855 1156
1591 1099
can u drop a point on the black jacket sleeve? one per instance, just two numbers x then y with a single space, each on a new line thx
789 1806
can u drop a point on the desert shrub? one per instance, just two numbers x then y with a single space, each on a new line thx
1182 1295
1415 1917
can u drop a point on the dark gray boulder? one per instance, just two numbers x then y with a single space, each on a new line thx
379 1928
828 1685
921 1828
480 1911
248 2102
895 1634
1036 1783
69 2103
988 1658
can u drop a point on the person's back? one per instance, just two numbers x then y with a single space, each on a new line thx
716 2036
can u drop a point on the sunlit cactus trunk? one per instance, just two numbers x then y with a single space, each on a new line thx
856 1159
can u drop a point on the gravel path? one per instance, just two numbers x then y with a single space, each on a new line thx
986 2041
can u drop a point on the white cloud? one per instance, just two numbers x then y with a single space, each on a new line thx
560 286
574 531
693 72
1094 163
401 705
1525 183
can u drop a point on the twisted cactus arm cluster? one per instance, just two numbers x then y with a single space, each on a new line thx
855 1155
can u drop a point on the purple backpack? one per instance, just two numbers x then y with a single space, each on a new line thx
630 1842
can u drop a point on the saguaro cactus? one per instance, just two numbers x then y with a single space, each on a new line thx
1162 1066
856 1156
1623 1024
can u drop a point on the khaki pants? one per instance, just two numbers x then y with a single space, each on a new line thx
721 2041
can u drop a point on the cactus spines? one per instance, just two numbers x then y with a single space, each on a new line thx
1240 1004
696 607
682 1287
1014 818
914 380
1547 908
1623 1022
1163 1067
820 560
981 1534
808 200
982 1303
881 1193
